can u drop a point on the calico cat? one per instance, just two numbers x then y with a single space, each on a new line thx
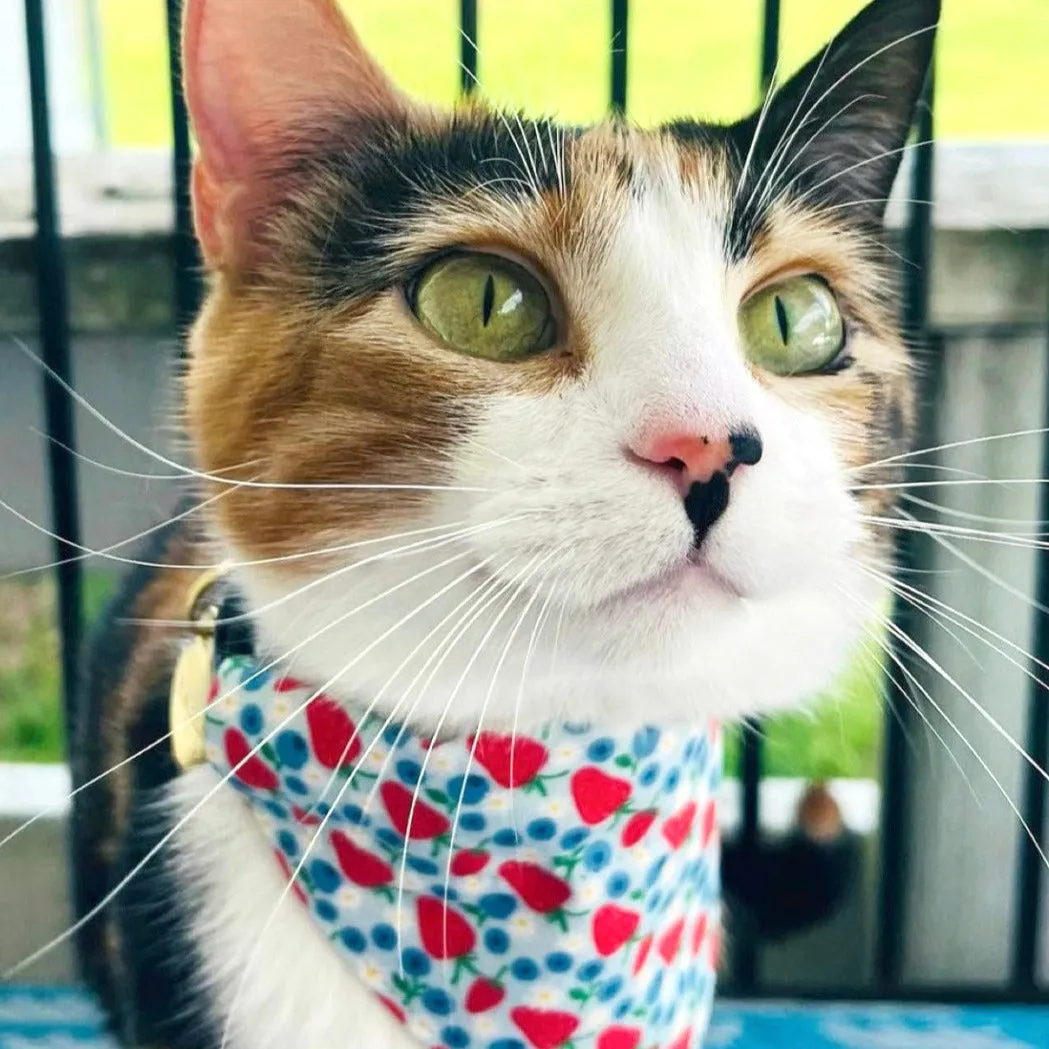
529 451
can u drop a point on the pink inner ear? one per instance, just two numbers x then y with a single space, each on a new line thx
256 75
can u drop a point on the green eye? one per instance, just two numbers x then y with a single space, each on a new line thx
486 306
792 327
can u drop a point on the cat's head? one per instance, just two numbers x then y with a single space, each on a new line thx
583 408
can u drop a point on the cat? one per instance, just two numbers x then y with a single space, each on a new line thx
528 448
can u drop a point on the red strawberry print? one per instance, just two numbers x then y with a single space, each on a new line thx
642 954
213 692
307 819
444 932
679 826
683 1040
332 733
282 862
544 1028
469 861
427 822
512 761
482 995
619 1038
670 941
612 927
699 934
715 948
290 684
394 1008
360 866
254 772
598 795
710 819
637 827
542 891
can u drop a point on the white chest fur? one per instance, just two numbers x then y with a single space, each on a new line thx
288 988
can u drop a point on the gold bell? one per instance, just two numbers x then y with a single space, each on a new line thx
191 680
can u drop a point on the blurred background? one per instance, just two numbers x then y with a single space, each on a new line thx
923 755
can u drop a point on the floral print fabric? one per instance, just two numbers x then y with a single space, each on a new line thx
496 892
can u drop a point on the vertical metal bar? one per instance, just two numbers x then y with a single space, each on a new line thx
747 965
1027 925
888 962
53 305
467 46
620 16
187 257
769 43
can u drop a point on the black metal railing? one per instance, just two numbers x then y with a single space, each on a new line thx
892 916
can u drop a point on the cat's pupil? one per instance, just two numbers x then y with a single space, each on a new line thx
781 319
489 300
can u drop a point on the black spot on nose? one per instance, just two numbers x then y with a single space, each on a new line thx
705 503
747 449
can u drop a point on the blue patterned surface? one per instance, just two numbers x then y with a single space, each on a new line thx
50 1018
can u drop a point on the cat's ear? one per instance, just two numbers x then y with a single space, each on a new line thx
258 77
836 131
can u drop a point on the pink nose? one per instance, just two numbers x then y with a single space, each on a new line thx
695 459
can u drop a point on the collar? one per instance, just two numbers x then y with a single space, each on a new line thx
553 890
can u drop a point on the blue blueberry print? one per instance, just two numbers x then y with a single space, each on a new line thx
322 809
437 1002
449 895
655 988
473 822
325 910
252 679
524 969
325 877
291 749
409 772
598 856
507 1043
497 904
649 775
590 971
541 830
251 719
274 809
609 989
421 865
655 1016
507 837
617 885
654 900
286 840
575 837
672 781
389 837
415 962
623 1009
496 941
355 814
295 785
384 937
455 1038
655 871
559 962
644 742
576 728
394 735
473 788
601 749
353 940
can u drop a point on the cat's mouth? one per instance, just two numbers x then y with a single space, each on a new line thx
692 577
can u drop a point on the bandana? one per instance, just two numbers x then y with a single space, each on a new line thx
559 889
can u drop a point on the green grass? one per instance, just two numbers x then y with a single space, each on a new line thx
31 726
687 57
835 736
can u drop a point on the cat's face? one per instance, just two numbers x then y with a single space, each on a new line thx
607 390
